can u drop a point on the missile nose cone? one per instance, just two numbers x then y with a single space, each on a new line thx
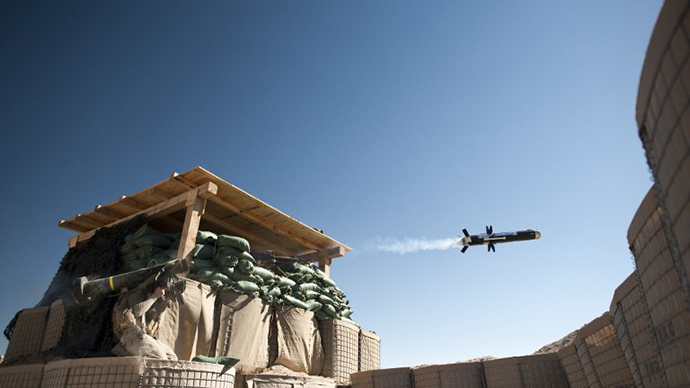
537 235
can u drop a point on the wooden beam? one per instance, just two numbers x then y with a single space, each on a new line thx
196 204
159 210
325 266
323 254
262 221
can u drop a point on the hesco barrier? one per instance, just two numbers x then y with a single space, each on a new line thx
503 373
341 348
426 377
134 372
54 326
664 128
244 324
21 376
542 371
598 341
28 333
281 381
663 295
572 367
462 374
466 374
538 371
369 350
631 323
383 378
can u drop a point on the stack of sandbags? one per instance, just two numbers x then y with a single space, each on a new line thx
147 247
309 288
224 262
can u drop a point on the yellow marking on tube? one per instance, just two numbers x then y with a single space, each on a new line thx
110 280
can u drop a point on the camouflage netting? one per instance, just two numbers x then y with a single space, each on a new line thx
88 332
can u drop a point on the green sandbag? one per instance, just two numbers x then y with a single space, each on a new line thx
226 261
265 274
204 237
234 242
134 265
303 269
213 277
308 294
155 240
230 251
309 287
274 291
145 230
313 305
170 254
202 264
346 312
247 287
295 302
327 281
239 276
285 282
173 236
245 266
319 272
203 251
146 252
326 300
330 310
228 362
127 247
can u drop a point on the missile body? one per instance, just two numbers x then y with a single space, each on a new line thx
490 238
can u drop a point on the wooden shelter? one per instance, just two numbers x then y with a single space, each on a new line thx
198 199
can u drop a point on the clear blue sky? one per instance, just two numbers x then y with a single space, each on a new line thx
368 119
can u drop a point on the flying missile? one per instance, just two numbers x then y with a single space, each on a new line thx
490 238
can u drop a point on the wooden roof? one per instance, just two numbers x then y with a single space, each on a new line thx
229 210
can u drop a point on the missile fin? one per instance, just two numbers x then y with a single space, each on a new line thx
464 231
464 249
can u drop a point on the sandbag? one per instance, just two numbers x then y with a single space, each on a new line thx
205 237
299 341
234 242
203 251
202 264
246 267
265 274
155 240
230 251
247 287
186 324
244 325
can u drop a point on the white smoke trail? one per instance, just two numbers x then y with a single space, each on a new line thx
412 245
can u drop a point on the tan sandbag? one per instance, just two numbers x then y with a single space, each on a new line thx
299 341
186 323
244 326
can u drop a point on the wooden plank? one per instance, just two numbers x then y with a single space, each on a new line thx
182 179
195 209
262 221
107 212
161 194
160 210
325 266
323 254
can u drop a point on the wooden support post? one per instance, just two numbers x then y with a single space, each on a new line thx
196 203
325 265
